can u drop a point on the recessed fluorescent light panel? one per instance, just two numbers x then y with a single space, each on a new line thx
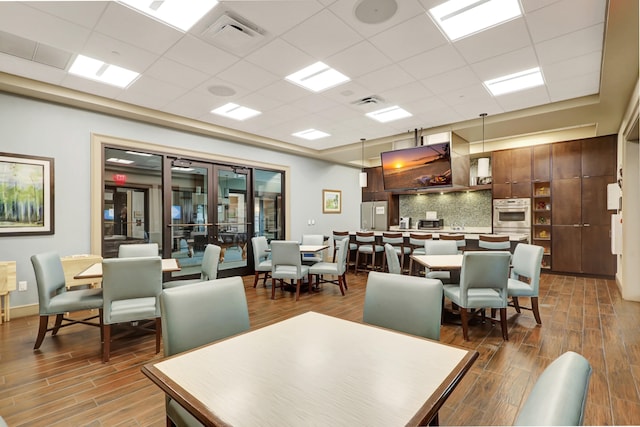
311 134
94 69
389 114
317 77
120 161
181 169
182 14
137 153
460 18
515 82
235 111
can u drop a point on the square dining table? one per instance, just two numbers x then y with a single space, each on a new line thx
314 369
94 271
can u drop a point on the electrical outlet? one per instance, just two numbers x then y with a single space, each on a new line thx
22 285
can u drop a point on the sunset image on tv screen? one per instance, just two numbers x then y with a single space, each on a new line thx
419 167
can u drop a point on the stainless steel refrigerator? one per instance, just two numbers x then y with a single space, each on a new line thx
374 216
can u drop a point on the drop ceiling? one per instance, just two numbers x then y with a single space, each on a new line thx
587 50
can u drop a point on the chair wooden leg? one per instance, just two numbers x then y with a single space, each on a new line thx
503 323
273 287
516 304
158 333
355 267
42 331
340 280
264 279
255 279
344 280
534 308
56 327
106 343
298 289
464 319
434 421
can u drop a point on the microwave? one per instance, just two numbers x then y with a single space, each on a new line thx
430 224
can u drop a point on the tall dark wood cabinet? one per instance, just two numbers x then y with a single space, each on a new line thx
511 173
581 170
374 191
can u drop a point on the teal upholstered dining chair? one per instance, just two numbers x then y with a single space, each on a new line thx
439 247
416 243
404 303
559 396
312 239
208 268
131 292
483 284
393 262
138 250
525 277
396 240
261 259
337 269
55 300
198 314
286 264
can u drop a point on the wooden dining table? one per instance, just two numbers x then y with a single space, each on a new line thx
94 271
314 369
439 262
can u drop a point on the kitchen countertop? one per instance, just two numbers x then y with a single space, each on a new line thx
470 233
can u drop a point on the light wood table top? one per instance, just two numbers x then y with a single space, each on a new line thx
439 262
308 249
314 369
95 270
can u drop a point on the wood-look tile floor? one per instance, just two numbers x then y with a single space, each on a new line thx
66 384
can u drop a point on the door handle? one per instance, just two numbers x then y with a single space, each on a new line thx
586 225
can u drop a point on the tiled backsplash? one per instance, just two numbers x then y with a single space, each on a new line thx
471 209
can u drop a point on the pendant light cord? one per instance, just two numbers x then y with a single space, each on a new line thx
483 115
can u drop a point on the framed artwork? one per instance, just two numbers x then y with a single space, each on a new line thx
331 201
26 195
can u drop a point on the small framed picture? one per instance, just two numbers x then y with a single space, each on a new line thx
331 201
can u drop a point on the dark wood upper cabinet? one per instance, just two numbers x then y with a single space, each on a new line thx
511 173
501 167
566 159
599 156
521 165
541 165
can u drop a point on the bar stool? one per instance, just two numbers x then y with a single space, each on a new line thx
494 242
366 244
396 240
416 244
461 242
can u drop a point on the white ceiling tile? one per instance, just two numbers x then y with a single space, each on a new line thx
510 36
359 59
83 13
117 52
283 91
574 87
280 58
524 99
564 17
13 65
573 67
509 63
451 80
409 38
90 86
433 62
201 55
405 94
123 23
149 92
313 37
257 101
385 78
577 43
192 104
247 75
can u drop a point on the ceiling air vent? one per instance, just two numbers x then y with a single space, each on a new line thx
373 99
233 34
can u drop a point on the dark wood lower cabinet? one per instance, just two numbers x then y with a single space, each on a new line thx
582 250
566 255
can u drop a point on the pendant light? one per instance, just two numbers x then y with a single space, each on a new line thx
363 174
483 162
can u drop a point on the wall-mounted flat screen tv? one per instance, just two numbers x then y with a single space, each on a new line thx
176 212
422 167
108 214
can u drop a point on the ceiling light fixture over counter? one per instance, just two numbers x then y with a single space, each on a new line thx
514 82
181 14
389 114
460 18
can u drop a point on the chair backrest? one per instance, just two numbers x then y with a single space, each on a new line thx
393 238
312 239
416 240
527 262
210 260
138 250
494 242
49 278
339 235
440 247
460 240
285 253
407 304
200 313
343 252
559 395
365 237
484 269
393 263
260 246
128 279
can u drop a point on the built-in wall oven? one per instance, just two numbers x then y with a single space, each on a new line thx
512 216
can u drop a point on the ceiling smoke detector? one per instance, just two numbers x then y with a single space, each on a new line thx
373 99
233 34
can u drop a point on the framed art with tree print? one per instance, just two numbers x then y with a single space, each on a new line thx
331 201
26 195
